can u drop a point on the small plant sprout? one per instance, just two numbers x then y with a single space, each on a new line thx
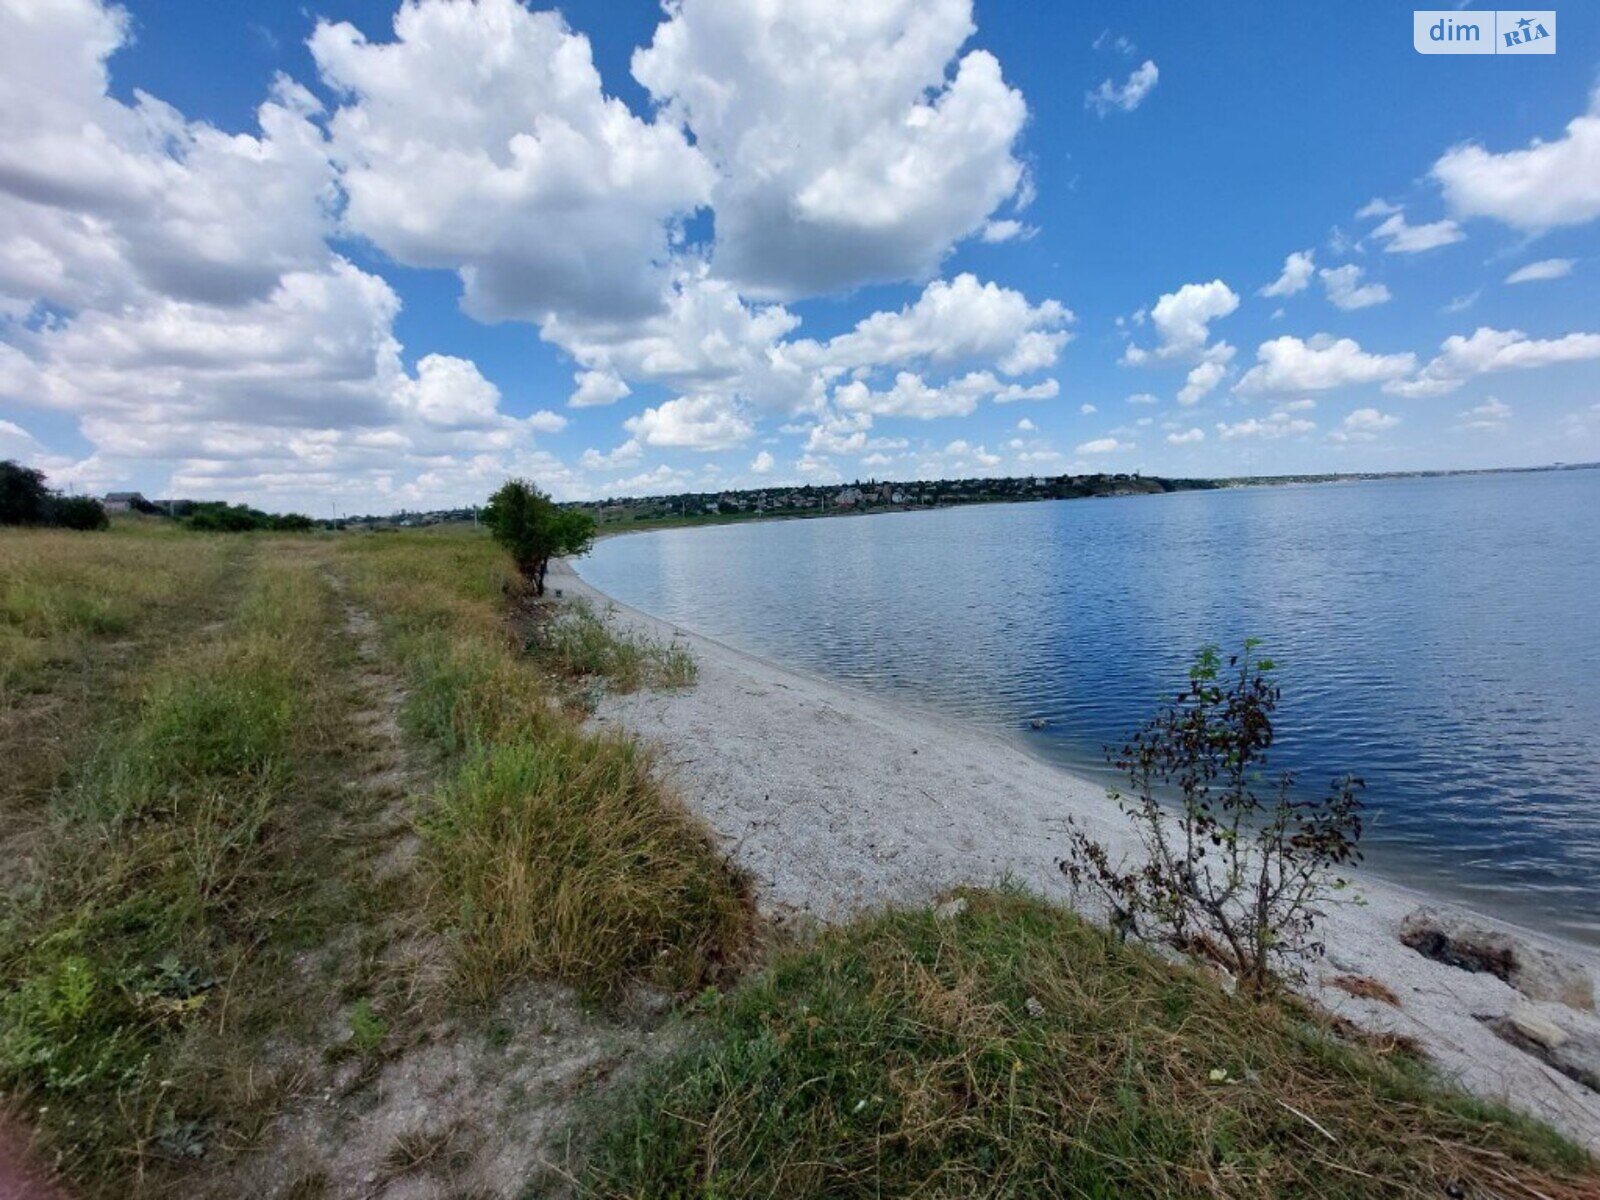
1237 867
367 1029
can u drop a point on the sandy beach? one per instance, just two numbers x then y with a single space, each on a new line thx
837 801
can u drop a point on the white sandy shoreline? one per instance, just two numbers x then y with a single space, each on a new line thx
838 801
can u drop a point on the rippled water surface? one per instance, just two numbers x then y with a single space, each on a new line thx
1440 637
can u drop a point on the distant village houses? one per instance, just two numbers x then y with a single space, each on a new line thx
870 495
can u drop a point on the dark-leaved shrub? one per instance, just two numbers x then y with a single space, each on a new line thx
25 500
1237 865
77 512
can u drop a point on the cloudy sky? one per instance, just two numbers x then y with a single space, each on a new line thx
354 257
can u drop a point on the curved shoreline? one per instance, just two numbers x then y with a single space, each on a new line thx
837 801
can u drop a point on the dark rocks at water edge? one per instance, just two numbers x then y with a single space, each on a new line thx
1539 974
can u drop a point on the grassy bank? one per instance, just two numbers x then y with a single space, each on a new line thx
577 641
549 849
1012 1050
65 596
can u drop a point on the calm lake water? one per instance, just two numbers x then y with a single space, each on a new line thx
1440 637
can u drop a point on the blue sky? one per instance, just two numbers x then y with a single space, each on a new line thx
315 258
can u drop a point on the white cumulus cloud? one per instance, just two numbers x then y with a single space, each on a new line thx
1182 320
1363 425
1345 289
1295 276
1493 413
1278 425
106 203
1545 185
1202 380
597 388
1488 350
1289 364
480 139
692 422
851 143
957 321
1111 97
1399 237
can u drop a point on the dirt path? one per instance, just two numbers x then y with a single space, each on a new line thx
454 1102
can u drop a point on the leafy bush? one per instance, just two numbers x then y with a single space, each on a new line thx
77 512
23 494
1238 870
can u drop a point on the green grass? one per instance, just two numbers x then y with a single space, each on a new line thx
549 850
577 640
169 860
1016 1051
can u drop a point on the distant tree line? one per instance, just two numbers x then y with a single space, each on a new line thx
25 500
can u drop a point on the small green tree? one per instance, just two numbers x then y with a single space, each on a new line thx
1237 865
535 529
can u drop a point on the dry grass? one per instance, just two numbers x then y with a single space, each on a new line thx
562 857
77 611
1017 1052
1365 987
62 593
424 1150
202 936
